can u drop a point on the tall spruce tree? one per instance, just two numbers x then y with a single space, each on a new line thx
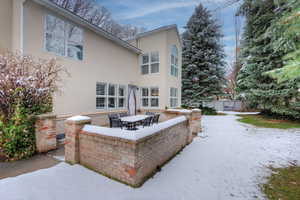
203 58
259 56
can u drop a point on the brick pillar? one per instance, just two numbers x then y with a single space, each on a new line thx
45 132
196 121
73 126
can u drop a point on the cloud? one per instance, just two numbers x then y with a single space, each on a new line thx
152 7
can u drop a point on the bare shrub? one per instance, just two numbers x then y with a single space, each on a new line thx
29 82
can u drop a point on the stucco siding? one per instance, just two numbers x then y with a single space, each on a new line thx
103 61
172 81
5 25
152 43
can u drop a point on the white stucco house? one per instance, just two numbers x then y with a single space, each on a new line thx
106 73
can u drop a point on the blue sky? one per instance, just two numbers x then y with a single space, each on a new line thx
155 13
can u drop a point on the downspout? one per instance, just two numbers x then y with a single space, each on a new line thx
17 25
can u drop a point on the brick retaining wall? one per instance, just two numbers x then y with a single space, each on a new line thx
128 160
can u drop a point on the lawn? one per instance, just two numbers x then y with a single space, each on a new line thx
284 184
267 122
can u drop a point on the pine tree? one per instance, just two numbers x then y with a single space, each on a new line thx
259 56
203 58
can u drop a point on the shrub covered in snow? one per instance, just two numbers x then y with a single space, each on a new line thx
26 88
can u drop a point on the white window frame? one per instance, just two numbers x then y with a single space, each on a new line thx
112 96
102 96
150 63
173 65
174 97
106 96
66 37
122 97
149 97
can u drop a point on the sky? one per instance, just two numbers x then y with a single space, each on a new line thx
152 14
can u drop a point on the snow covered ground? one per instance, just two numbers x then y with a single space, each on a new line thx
228 164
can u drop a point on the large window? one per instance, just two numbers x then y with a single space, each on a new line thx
150 97
150 63
110 96
173 97
174 61
62 38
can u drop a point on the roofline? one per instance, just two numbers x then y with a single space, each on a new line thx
157 30
83 22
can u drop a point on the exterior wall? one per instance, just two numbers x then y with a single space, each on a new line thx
161 42
6 25
172 81
155 42
103 61
129 161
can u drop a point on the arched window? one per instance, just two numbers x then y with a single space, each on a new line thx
174 61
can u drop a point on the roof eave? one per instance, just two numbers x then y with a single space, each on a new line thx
84 23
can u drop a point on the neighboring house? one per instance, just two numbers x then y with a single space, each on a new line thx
106 73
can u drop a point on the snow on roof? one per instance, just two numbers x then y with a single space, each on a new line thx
180 110
79 118
133 135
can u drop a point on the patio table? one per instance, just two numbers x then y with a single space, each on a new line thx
132 121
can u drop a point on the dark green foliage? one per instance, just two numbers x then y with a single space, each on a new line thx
258 56
17 135
203 58
208 111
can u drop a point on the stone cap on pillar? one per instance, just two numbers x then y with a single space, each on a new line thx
195 110
46 116
79 120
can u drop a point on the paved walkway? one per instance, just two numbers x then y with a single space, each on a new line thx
228 164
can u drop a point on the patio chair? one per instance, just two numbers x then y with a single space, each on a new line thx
114 121
150 113
155 119
125 114
147 121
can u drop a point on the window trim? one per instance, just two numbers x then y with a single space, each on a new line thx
149 97
116 96
174 66
171 97
102 96
150 63
66 38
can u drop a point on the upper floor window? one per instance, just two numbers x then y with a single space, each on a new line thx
150 63
173 97
62 38
174 61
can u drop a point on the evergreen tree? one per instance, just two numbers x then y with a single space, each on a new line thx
259 56
203 58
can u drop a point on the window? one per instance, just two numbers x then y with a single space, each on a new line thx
173 97
174 61
150 97
145 97
154 62
101 95
145 64
110 96
122 97
62 38
150 63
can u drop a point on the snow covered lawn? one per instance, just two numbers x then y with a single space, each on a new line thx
228 164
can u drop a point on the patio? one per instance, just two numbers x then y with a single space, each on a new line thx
228 164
